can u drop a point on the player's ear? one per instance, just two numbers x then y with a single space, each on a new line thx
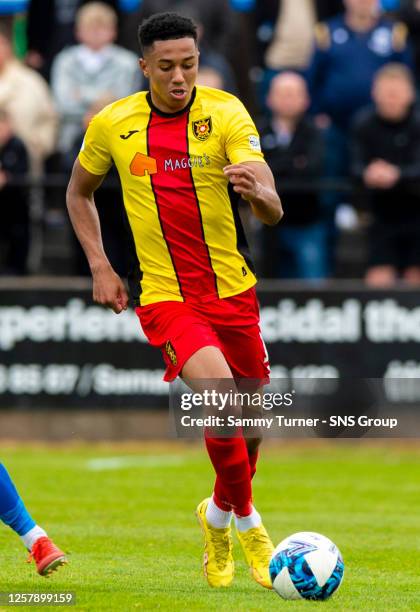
143 67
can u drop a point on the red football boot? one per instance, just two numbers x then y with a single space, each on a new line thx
47 556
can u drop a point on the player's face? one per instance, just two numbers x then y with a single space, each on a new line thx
171 67
393 97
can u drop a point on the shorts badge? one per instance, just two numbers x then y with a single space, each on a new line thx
170 351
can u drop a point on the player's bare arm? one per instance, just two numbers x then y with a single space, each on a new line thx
254 181
108 288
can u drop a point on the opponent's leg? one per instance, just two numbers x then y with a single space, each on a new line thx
14 514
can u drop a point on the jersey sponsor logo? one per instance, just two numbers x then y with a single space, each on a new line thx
254 143
193 161
202 128
129 134
143 165
170 351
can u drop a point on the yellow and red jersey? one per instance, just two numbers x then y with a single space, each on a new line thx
186 236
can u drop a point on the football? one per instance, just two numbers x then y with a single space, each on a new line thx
306 565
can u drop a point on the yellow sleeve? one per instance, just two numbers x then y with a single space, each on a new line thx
94 155
242 142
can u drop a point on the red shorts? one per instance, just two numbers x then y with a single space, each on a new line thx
232 324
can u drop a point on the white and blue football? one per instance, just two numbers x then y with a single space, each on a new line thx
306 565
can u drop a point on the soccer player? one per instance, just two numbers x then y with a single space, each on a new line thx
185 154
14 514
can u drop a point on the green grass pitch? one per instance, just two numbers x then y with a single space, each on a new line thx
125 515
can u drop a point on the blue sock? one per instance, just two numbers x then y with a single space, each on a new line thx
12 508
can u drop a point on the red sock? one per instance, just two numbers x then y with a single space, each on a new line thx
220 497
253 462
229 457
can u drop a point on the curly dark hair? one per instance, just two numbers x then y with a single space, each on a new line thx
165 26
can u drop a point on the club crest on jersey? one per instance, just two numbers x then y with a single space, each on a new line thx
202 128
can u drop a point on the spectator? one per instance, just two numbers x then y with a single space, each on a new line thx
386 158
210 77
285 30
14 227
26 98
349 49
91 70
293 147
50 28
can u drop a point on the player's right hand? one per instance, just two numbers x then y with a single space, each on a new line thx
109 290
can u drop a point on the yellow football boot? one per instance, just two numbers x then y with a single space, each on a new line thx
218 560
258 549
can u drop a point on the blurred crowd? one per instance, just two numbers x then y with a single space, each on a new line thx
331 84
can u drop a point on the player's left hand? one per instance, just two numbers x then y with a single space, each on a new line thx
243 180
